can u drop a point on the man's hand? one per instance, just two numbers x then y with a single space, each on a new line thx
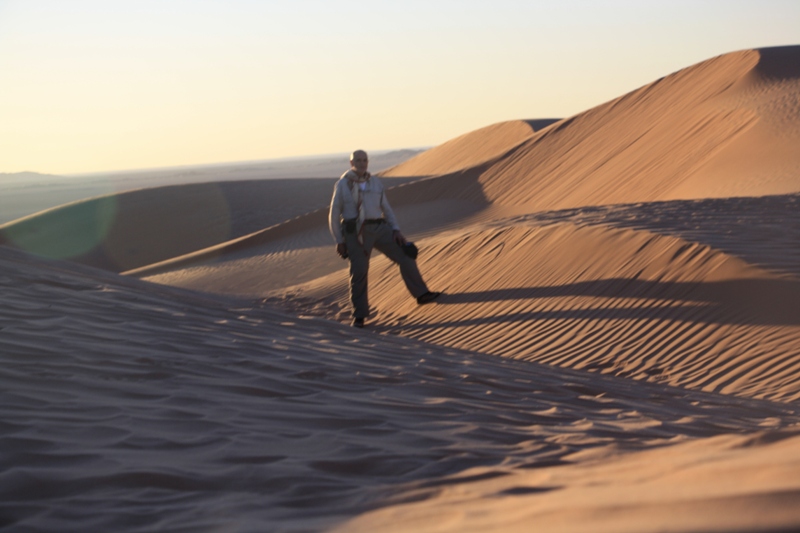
398 237
341 249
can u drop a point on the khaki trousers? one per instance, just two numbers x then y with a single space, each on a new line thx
378 236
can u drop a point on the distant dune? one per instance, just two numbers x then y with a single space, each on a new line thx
28 193
617 347
132 229
470 149
15 177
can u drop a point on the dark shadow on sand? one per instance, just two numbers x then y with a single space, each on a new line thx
741 301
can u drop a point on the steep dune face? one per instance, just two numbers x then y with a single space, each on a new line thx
670 139
766 158
728 126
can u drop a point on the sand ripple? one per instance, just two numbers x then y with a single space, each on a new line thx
129 407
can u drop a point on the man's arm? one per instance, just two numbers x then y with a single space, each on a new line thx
335 215
335 221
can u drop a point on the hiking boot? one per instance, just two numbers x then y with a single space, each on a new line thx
358 322
428 297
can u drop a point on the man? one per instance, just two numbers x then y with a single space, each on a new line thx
360 219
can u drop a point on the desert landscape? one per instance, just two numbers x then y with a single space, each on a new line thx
617 346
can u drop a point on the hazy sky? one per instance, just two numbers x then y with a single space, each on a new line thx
93 85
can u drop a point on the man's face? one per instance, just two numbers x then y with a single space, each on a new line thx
359 162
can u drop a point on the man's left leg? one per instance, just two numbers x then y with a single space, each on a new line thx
408 267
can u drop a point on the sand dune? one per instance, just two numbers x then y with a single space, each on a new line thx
469 150
671 139
657 308
726 127
617 348
132 407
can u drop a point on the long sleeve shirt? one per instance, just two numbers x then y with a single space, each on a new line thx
343 205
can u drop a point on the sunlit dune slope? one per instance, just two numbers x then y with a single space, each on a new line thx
469 150
670 139
728 126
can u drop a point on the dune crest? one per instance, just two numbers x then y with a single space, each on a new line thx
469 150
659 142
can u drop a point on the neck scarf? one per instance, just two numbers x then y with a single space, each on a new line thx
355 182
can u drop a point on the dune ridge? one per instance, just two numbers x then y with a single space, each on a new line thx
469 150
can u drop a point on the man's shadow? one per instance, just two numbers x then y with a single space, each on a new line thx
766 302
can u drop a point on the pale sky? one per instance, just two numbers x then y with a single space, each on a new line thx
100 85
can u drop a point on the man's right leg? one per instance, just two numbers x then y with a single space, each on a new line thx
359 268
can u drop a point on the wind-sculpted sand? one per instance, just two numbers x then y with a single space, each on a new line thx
617 347
133 407
657 308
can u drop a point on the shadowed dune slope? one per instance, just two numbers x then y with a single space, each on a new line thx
423 206
131 229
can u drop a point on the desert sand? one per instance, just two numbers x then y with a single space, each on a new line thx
617 347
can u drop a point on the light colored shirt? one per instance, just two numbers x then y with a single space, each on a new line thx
343 205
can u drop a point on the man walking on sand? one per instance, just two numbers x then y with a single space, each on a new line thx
360 219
